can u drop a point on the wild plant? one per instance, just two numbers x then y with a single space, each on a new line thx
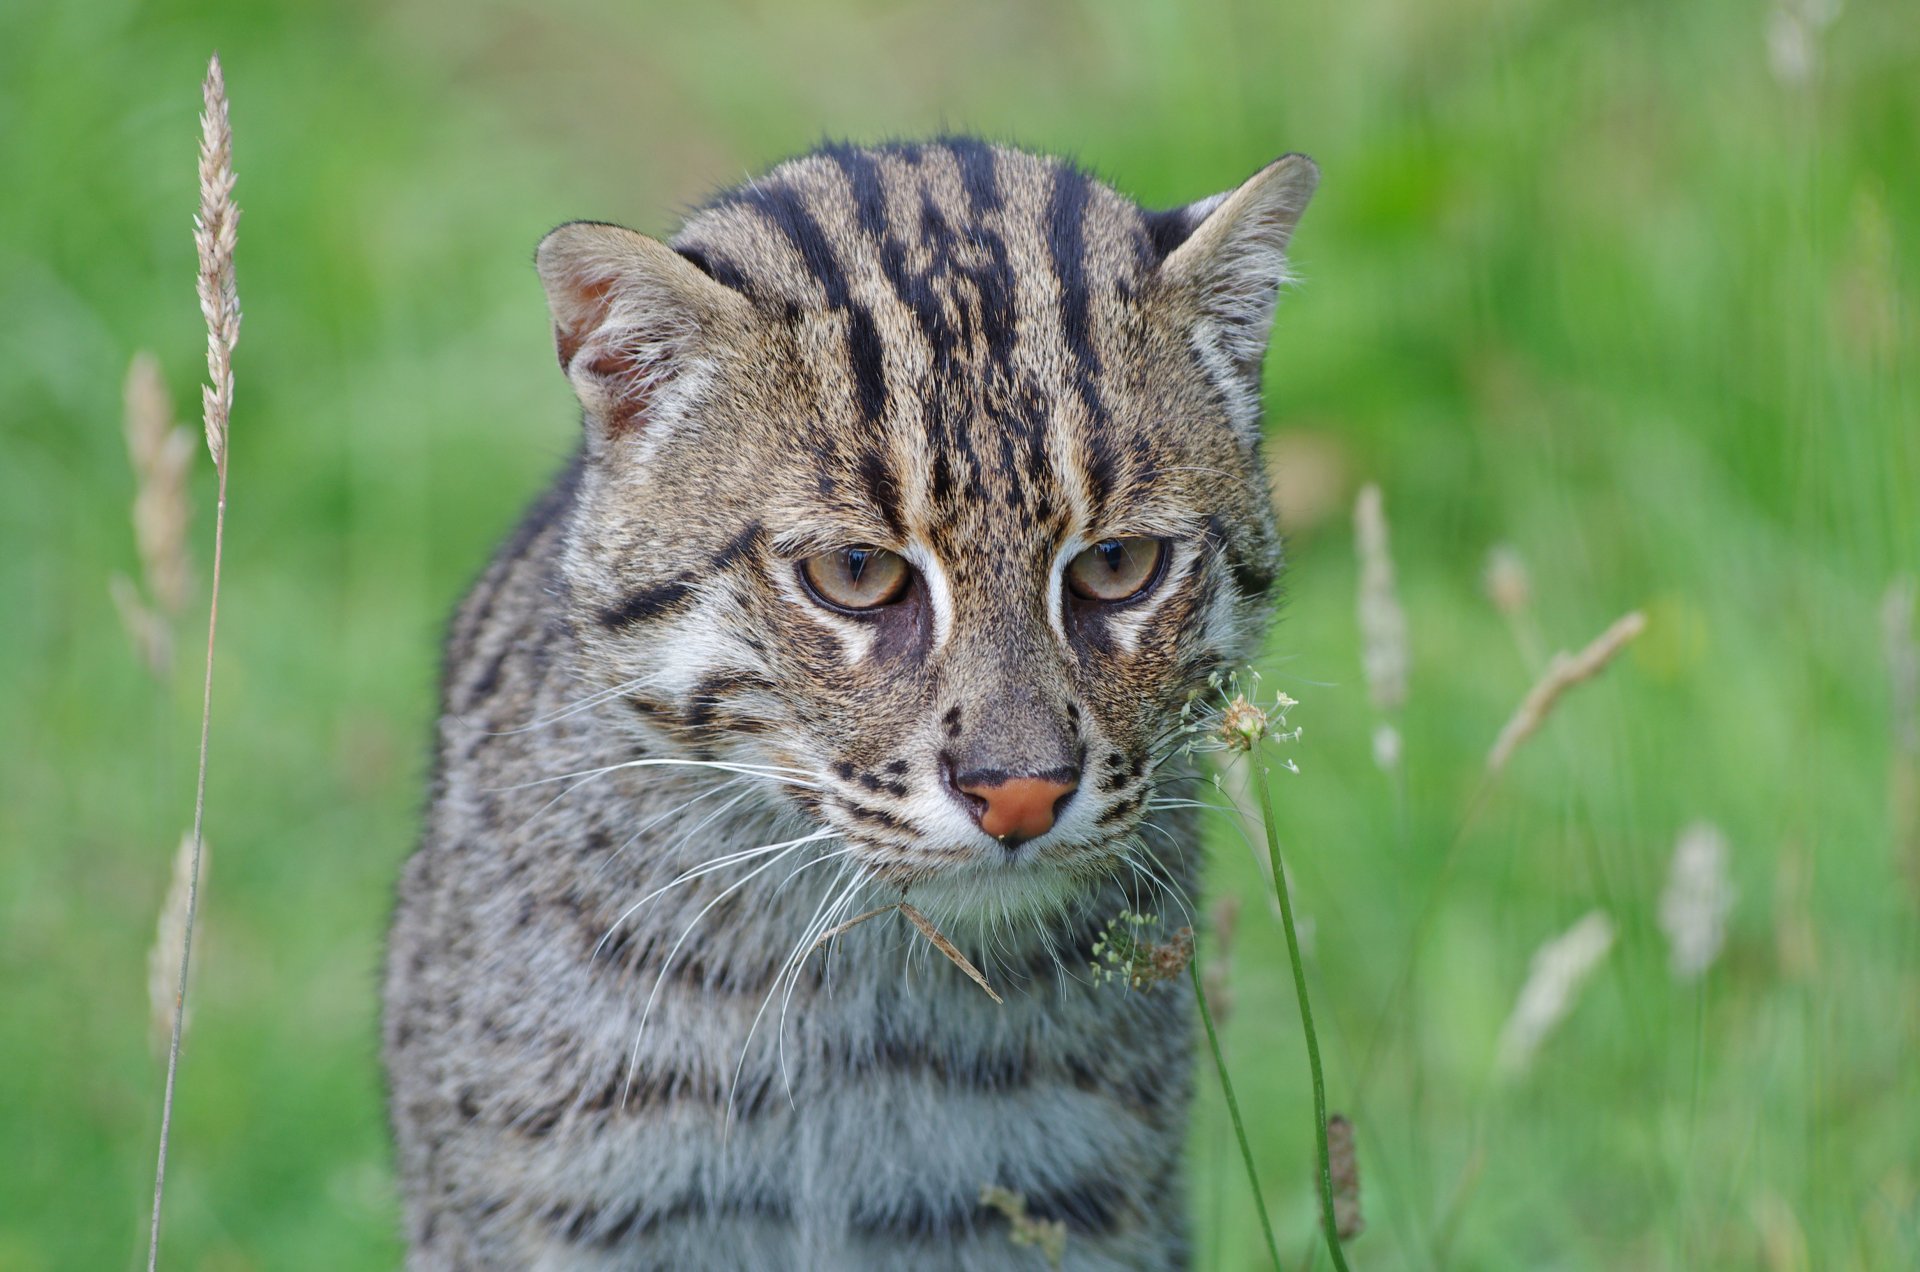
214 230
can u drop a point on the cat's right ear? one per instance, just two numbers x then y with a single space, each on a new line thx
635 325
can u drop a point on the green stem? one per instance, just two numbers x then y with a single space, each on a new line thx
1306 1019
1233 1111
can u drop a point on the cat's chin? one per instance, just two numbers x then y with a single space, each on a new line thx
992 892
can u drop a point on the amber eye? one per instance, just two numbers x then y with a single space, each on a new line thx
1115 569
857 578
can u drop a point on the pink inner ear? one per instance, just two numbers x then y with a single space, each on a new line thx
626 374
589 311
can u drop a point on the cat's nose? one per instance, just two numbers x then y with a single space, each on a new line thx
1015 809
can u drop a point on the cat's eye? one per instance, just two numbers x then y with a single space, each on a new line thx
859 578
1116 569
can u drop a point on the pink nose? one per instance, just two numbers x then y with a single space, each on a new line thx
1017 807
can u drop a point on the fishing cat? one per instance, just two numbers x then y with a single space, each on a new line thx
919 490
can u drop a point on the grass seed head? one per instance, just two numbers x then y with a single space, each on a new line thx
1049 1236
160 452
1508 584
169 938
1231 719
1343 1164
1564 671
215 232
1125 953
1560 968
1697 901
1383 624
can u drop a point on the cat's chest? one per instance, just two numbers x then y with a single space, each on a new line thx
873 1117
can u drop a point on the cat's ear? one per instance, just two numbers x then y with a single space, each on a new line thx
635 324
1228 256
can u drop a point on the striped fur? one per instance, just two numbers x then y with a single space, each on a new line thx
664 769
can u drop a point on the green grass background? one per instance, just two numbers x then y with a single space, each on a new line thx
1596 280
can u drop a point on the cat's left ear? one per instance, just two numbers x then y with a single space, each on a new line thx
637 327
1229 260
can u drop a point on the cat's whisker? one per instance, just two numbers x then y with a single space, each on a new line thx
778 773
809 932
534 817
666 965
596 699
809 937
675 811
701 871
1156 872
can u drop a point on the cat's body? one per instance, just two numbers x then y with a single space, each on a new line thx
611 1043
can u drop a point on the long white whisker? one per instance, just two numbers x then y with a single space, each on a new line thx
660 978
1155 871
780 773
675 811
706 868
773 987
799 959
574 708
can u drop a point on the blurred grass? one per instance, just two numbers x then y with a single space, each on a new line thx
1597 280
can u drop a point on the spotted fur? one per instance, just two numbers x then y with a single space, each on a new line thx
665 769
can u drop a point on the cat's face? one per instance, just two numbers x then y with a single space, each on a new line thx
927 478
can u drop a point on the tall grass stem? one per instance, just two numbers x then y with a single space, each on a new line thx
214 236
1282 893
1233 1112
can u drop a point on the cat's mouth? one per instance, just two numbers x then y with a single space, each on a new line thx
959 869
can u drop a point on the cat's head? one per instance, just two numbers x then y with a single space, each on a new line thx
928 477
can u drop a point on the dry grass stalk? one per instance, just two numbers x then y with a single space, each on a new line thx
1697 901
1049 1236
159 452
1560 968
215 231
150 634
1903 662
1564 671
851 924
1308 472
1903 682
169 938
948 948
927 929
1383 624
1343 1161
214 237
1510 587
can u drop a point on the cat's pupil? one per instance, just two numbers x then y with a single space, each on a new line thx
1114 553
856 563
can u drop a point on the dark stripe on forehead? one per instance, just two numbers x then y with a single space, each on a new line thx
786 210
1066 241
915 290
863 178
979 174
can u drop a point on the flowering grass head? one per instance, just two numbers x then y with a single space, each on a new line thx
1230 716
1127 952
